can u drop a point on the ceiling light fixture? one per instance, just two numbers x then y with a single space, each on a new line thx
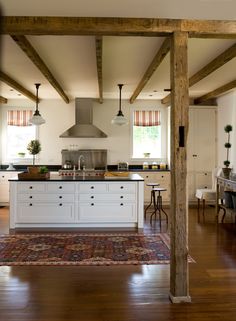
37 119
119 119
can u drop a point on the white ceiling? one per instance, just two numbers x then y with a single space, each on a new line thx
72 59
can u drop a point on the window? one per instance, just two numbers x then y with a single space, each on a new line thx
16 135
147 134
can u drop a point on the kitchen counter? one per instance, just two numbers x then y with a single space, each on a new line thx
57 178
77 202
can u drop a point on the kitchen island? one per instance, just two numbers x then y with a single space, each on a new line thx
77 202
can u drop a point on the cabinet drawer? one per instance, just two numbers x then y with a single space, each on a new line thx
109 197
122 187
46 197
203 180
5 176
92 188
61 187
31 187
101 212
45 213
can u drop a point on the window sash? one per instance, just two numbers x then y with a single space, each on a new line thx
147 118
19 117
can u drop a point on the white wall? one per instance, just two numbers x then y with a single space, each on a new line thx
227 115
60 116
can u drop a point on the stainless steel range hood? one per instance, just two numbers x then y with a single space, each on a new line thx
84 127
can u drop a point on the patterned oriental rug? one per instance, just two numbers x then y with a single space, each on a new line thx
84 249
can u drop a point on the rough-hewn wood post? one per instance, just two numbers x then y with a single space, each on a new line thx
179 285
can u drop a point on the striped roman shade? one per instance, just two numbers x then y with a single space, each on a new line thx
147 118
19 117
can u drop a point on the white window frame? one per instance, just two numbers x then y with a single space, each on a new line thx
17 160
163 114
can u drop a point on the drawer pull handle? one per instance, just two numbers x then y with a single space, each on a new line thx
92 196
121 204
60 196
122 187
31 187
121 196
92 204
60 204
92 187
31 196
31 204
60 187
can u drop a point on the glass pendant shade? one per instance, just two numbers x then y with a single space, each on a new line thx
119 119
37 119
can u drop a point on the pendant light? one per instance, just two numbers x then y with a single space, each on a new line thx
37 119
119 119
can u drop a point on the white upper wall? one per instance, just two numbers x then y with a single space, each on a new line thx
226 115
60 116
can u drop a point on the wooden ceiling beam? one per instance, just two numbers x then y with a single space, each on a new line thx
29 50
43 25
213 94
160 55
3 100
216 63
213 65
98 41
14 84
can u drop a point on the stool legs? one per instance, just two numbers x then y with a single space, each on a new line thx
152 201
158 207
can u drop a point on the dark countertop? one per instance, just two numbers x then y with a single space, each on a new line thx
56 168
131 177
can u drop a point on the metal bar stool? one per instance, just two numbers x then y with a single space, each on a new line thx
152 201
158 204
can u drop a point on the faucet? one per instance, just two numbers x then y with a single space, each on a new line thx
79 162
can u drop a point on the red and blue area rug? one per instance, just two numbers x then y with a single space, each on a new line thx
84 249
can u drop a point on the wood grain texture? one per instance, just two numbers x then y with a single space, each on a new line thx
160 55
215 93
15 85
99 43
179 208
213 65
127 293
3 100
36 25
29 50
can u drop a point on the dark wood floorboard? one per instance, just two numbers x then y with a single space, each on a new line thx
128 293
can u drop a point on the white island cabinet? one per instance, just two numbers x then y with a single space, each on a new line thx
69 203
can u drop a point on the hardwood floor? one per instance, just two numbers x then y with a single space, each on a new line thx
127 293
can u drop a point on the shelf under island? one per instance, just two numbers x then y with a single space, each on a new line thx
77 202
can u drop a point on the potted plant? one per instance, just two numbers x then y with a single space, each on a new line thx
227 169
34 147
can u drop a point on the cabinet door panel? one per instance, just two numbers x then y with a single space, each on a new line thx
101 212
4 193
46 197
202 139
92 188
122 187
109 197
4 185
203 180
62 188
45 213
30 187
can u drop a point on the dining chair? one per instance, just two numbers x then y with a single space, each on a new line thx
207 194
